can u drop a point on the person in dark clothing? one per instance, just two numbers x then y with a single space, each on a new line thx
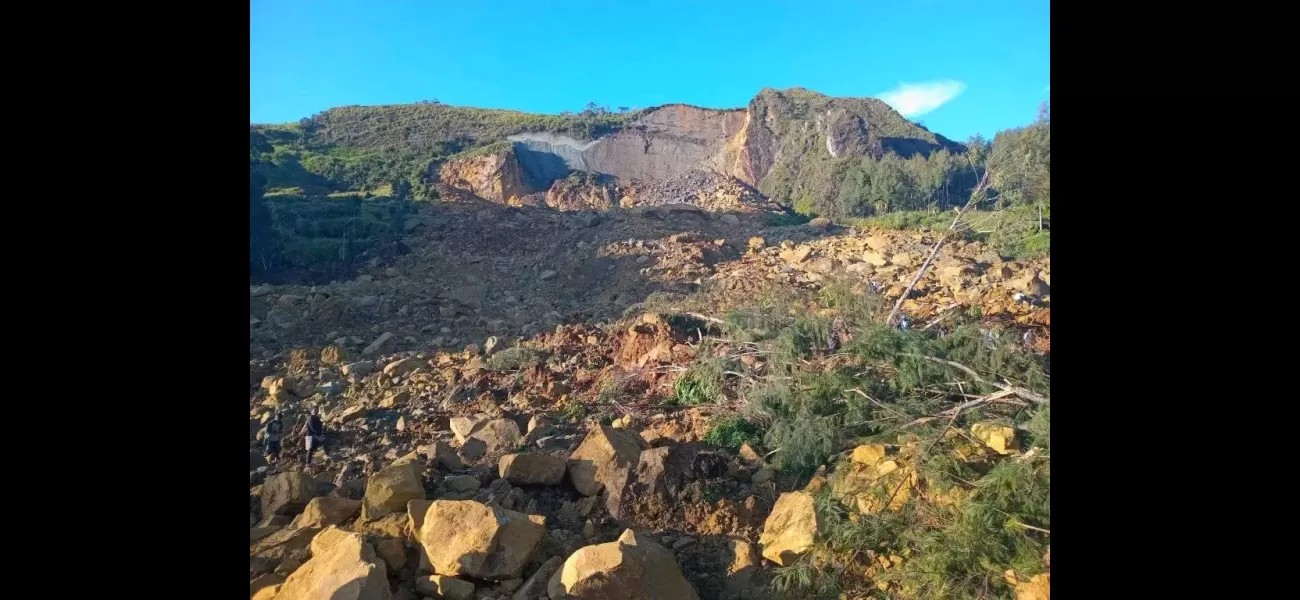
315 434
271 437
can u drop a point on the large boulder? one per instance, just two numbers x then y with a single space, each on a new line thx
342 567
287 493
390 489
631 568
791 529
500 435
461 427
326 511
532 469
660 476
467 538
606 453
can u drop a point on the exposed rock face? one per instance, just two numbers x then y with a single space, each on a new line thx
631 568
672 141
494 177
582 194
463 537
664 143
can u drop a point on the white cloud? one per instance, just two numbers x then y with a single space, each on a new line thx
915 99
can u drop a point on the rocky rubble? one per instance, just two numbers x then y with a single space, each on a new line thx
481 439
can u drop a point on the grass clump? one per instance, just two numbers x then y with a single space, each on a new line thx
516 359
732 432
700 384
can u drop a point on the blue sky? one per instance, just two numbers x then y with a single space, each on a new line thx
960 67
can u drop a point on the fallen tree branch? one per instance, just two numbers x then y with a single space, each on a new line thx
1028 526
1019 391
960 408
705 318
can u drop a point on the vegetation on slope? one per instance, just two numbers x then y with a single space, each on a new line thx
805 175
366 148
313 235
835 378
888 189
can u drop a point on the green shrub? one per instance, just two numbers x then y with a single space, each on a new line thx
700 384
732 432
515 359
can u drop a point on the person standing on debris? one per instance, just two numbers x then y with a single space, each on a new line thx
315 434
271 437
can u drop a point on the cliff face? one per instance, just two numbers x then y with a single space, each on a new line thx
494 176
664 143
764 145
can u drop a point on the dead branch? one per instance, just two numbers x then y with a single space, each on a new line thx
941 315
980 189
954 412
705 318
1028 526
1019 391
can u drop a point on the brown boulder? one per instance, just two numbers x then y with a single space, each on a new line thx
603 453
287 493
660 476
532 469
462 427
323 512
499 435
342 567
630 568
791 529
463 537
391 488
